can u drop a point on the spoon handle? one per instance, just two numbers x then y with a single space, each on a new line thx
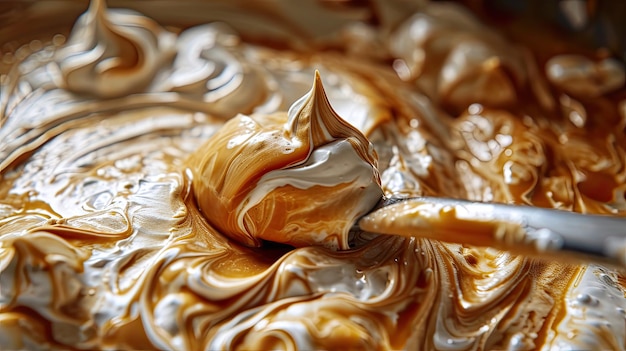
535 231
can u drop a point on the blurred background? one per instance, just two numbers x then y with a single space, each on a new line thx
591 24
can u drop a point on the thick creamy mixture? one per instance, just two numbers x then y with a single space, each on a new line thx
104 237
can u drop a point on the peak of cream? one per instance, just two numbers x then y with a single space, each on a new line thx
299 178
113 52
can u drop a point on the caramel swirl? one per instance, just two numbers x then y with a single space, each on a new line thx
581 76
455 59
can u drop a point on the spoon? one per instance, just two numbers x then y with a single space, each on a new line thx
545 233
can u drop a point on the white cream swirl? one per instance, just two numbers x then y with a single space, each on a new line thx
113 53
596 309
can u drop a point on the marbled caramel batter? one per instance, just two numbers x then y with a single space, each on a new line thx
107 242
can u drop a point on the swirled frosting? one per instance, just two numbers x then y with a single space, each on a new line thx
113 53
301 178
108 242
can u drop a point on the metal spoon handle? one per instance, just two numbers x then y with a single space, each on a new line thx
520 229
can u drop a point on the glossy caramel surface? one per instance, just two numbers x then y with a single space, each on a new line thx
104 237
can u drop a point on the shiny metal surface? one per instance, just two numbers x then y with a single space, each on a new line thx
545 231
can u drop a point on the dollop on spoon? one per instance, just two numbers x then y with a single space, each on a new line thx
299 178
